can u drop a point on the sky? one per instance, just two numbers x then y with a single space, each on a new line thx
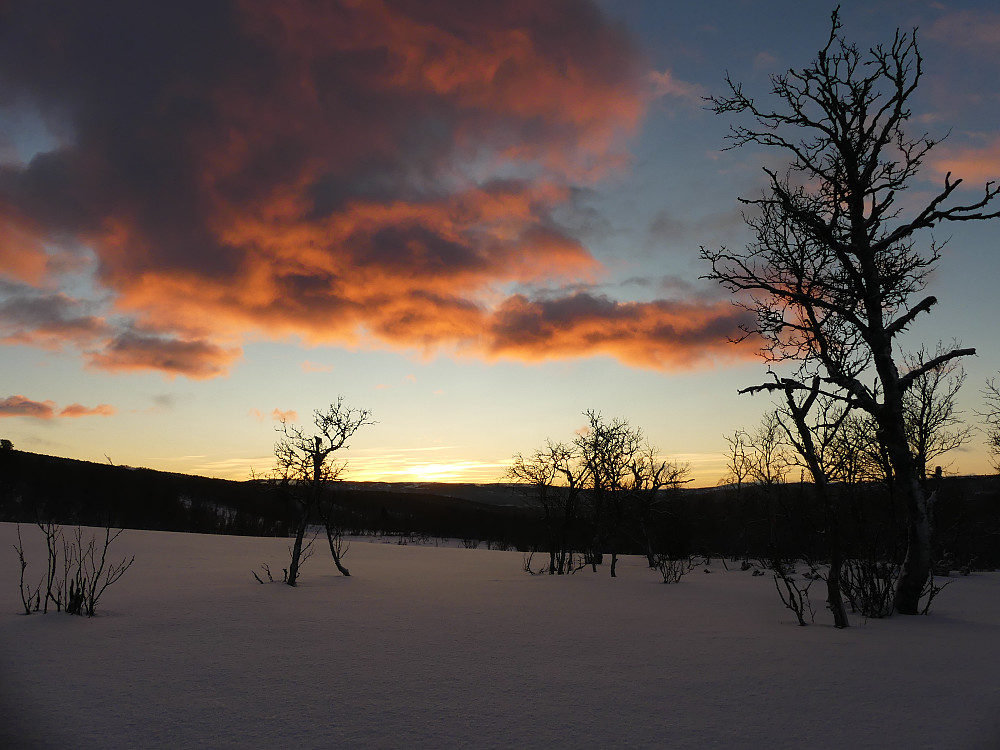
475 220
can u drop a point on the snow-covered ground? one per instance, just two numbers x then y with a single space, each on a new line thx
428 647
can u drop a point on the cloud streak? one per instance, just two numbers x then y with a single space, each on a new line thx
21 406
375 174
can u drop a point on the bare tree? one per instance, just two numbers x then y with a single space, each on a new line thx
607 451
834 271
933 423
608 485
649 481
738 460
552 478
305 467
991 416
758 460
813 438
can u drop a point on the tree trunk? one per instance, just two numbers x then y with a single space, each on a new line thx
331 537
917 564
300 532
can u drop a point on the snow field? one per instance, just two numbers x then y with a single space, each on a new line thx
426 647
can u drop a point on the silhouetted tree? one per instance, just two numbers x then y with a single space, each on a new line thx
650 482
305 467
991 393
607 450
834 268
814 438
551 477
933 424
609 482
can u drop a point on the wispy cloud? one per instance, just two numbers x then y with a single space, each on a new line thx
976 31
277 415
308 366
284 416
666 84
21 406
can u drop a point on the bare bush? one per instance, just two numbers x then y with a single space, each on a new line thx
870 586
78 571
672 568
270 577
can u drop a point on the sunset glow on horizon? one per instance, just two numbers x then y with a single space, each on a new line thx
476 220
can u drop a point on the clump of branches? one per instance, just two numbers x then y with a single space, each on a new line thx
270 576
672 569
869 586
78 570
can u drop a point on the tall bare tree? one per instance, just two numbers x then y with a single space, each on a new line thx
834 273
306 467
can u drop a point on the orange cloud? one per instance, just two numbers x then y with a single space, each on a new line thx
974 164
48 320
136 351
379 173
656 335
77 410
284 416
20 406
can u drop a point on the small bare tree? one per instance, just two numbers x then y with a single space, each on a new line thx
991 416
933 421
549 477
608 484
305 468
